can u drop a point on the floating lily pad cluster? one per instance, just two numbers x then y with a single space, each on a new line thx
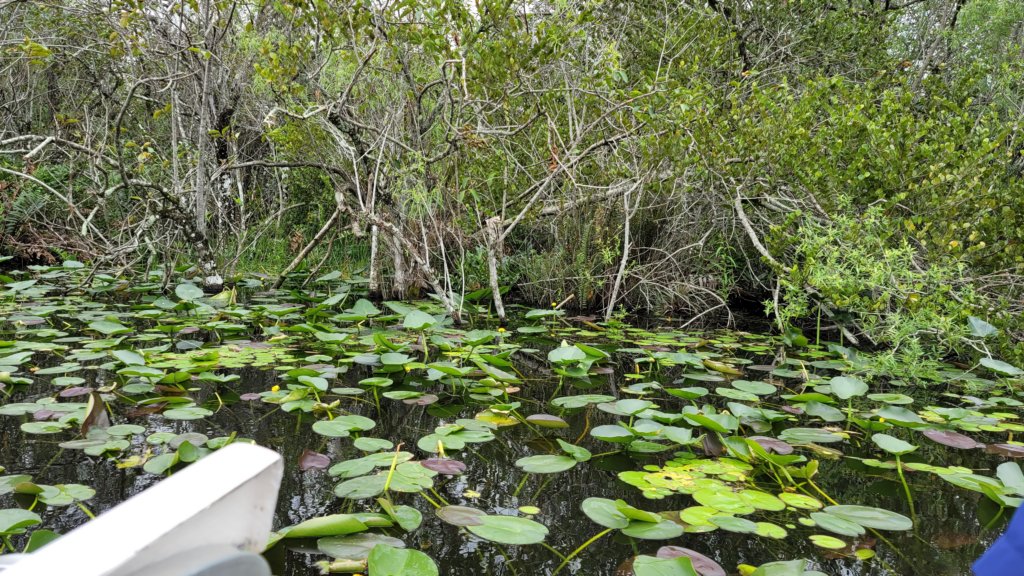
721 432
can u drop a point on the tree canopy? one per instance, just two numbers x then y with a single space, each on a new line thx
858 161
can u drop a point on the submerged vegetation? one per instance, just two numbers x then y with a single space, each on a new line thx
408 431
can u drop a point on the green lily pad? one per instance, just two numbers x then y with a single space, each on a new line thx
837 524
664 530
356 546
509 530
653 566
846 387
385 560
869 517
604 512
546 464
15 520
343 426
892 445
827 542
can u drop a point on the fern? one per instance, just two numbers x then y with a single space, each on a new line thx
30 202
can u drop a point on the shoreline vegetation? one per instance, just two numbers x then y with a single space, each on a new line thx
855 168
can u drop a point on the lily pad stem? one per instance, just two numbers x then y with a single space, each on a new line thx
577 551
429 499
906 488
86 510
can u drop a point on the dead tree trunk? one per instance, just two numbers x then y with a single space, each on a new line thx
493 231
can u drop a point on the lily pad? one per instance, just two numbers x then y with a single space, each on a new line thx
869 517
509 530
385 560
546 464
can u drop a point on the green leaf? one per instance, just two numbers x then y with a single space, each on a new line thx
43 427
129 357
160 464
652 566
385 560
566 354
109 328
546 464
369 444
581 400
38 539
356 546
734 524
579 454
509 530
332 525
342 426
809 436
407 517
187 413
362 487
892 445
19 286
364 308
898 414
612 433
980 328
1001 367
604 512
846 387
15 520
664 530
418 320
784 568
824 411
870 517
800 501
65 494
7 483
827 542
721 423
837 524
188 292
1009 473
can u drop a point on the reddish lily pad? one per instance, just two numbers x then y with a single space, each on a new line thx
310 460
444 466
1009 450
773 444
702 564
75 391
952 439
547 421
423 400
461 515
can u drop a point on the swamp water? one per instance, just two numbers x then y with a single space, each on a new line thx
504 452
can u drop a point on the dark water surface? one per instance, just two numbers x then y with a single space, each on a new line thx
953 525
949 535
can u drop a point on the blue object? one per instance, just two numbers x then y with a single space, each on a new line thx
1006 556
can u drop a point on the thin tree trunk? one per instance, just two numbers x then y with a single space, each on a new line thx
308 248
374 276
625 258
493 231
399 289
